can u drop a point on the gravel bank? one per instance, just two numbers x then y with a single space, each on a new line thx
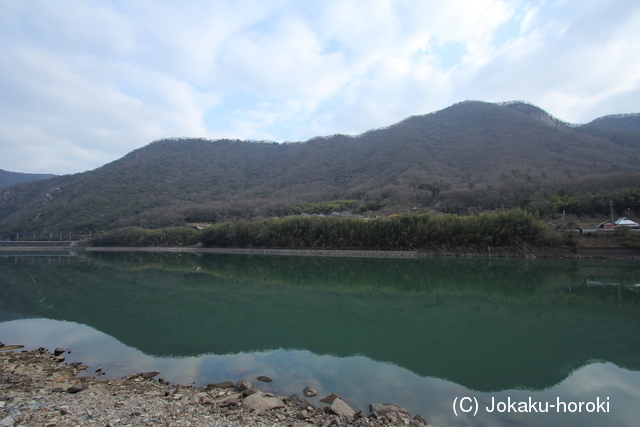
38 389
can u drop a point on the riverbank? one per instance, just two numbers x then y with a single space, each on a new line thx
503 252
38 388
587 251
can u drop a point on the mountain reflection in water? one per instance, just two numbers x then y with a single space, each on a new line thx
407 331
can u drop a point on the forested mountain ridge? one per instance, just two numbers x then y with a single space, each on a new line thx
468 157
8 178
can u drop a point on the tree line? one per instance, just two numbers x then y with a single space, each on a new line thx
405 232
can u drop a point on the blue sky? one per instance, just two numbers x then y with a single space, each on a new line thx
84 82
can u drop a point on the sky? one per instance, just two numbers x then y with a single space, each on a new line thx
84 82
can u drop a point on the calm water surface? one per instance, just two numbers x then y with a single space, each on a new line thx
420 333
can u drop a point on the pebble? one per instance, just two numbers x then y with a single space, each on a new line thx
98 402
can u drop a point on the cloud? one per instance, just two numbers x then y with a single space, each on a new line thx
87 82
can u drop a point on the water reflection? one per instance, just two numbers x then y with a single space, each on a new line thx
415 332
358 379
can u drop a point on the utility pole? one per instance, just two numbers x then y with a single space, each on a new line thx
611 209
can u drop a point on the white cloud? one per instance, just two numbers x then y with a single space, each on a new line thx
88 81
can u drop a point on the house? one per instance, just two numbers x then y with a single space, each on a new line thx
627 223
606 224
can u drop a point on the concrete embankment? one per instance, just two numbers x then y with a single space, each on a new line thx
608 252
508 252
37 248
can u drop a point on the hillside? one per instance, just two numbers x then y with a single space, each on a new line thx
468 157
8 178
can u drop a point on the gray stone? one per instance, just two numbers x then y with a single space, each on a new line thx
224 384
299 402
339 407
249 392
58 351
309 391
244 385
77 388
382 409
260 402
264 379
421 420
399 418
303 415
147 375
7 422
230 401
14 412
329 399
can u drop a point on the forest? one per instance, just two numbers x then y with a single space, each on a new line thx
469 158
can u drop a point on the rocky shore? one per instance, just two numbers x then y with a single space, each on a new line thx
37 388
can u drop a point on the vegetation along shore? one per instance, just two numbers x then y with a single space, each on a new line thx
511 233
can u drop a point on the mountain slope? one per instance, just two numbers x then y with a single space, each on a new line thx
8 178
472 155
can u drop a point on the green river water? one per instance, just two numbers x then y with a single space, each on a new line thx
427 334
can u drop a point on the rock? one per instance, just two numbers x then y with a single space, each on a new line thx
303 415
7 422
77 388
329 399
82 367
58 351
243 385
147 375
14 412
421 420
10 347
224 384
259 402
383 409
231 401
264 379
249 392
59 359
340 408
399 418
299 402
309 391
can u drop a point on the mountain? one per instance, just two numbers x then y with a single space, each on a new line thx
468 157
11 178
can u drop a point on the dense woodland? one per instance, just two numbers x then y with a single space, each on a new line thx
469 158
